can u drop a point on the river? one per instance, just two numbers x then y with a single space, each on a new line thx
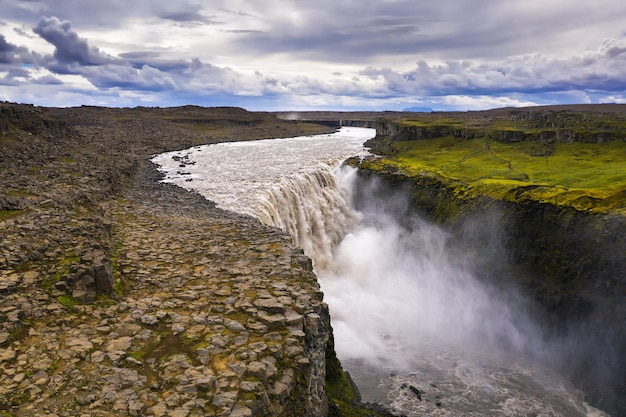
413 324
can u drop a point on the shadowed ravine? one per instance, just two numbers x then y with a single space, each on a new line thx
413 321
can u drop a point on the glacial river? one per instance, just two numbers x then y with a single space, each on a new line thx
412 324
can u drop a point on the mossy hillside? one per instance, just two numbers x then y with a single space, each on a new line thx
585 176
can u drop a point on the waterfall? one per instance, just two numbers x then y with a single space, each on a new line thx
288 183
409 313
313 209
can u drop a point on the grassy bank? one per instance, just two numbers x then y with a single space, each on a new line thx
586 176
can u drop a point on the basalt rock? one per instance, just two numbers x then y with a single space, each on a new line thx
103 274
83 213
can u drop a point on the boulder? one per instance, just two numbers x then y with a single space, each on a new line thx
103 275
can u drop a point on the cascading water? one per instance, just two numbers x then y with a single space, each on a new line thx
412 323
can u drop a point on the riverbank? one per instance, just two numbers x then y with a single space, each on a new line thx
124 296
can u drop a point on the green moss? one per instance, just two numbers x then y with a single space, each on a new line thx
125 118
118 287
18 398
585 176
67 301
103 300
205 128
9 214
342 391
62 270
240 316
136 354
21 332
248 396
21 193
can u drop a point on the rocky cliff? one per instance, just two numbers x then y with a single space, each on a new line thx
599 125
124 296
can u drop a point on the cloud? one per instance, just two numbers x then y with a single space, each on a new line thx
324 53
353 31
601 69
69 48
7 51
187 16
11 54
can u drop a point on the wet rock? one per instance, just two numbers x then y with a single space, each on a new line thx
240 411
149 319
234 326
271 305
84 289
416 392
256 369
79 344
119 344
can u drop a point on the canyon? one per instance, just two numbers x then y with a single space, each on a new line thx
125 296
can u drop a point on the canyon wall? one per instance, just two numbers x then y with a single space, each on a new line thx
572 263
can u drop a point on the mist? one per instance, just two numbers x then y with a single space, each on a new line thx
398 280
415 305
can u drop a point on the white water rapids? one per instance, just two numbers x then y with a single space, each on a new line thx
409 321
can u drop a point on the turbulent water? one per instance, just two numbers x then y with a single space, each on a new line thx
414 326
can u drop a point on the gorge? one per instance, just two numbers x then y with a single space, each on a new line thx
120 294
417 309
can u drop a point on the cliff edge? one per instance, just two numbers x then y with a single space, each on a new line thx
124 296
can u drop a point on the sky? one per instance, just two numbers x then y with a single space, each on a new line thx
313 54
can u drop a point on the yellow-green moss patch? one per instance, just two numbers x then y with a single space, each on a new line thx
586 176
9 214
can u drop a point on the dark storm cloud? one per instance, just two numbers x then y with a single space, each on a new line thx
48 80
109 13
337 35
139 56
24 32
69 47
154 59
128 78
345 31
21 76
